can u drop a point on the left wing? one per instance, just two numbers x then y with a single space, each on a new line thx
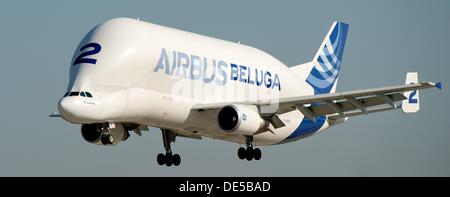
339 104
54 115
342 102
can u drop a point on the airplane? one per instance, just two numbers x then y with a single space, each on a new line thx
129 75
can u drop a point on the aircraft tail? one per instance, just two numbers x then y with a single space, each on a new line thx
327 62
411 103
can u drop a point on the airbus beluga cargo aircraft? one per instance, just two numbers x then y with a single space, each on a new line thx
128 75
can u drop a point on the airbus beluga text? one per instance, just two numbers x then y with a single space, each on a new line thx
128 75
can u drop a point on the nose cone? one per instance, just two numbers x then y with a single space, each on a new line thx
74 110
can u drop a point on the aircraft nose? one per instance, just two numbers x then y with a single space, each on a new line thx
72 110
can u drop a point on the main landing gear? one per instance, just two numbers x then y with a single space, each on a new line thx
249 153
168 158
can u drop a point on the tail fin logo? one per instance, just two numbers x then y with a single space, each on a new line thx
328 59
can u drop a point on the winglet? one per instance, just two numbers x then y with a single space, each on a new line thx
439 85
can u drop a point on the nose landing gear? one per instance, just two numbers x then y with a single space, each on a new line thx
105 138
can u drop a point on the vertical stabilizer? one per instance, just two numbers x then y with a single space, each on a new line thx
327 61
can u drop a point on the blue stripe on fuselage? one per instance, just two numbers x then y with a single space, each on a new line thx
306 128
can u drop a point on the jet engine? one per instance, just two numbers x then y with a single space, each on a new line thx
242 119
94 133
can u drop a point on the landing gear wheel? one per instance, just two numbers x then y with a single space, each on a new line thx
249 153
168 158
161 159
241 153
176 160
110 139
104 140
257 154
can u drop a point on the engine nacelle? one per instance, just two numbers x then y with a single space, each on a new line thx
92 133
242 119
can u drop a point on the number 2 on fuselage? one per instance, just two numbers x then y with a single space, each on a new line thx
84 57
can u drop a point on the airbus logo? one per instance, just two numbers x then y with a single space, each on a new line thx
194 67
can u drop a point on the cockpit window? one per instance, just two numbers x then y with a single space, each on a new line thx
74 93
83 94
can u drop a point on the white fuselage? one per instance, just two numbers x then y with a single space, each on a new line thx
153 75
